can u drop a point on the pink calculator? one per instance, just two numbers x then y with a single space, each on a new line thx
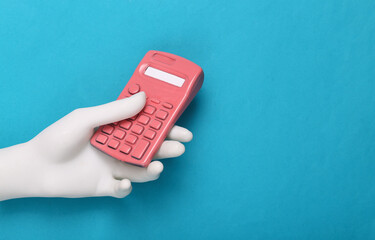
170 83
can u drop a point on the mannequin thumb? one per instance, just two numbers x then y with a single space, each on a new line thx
114 111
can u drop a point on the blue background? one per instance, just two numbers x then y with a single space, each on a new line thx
284 125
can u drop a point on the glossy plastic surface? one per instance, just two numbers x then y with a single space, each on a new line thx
136 140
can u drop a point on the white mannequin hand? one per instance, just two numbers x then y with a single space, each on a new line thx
60 161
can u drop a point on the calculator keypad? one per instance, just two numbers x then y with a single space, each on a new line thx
133 136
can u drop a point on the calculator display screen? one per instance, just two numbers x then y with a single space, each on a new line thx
164 76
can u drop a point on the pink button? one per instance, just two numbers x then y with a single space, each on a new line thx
149 109
102 139
113 144
161 114
138 129
125 149
155 124
108 129
131 139
140 149
119 134
125 124
150 134
134 117
167 105
154 100
133 89
143 119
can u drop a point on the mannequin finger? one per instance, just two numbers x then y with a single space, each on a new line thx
113 111
180 134
170 149
154 169
121 188
138 174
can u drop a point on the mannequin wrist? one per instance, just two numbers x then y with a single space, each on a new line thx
17 172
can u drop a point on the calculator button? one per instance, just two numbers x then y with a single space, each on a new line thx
113 144
138 129
140 149
131 139
125 149
143 119
154 100
133 89
167 105
134 117
102 139
119 134
161 114
108 129
155 124
149 109
125 124
150 134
